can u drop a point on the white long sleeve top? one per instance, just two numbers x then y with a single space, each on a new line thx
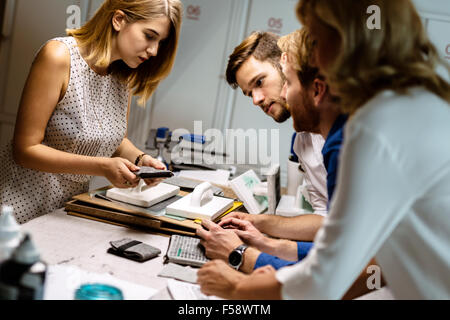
392 201
308 148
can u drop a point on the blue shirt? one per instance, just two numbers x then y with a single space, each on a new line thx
330 152
265 259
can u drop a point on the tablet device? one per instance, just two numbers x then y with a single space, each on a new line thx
150 172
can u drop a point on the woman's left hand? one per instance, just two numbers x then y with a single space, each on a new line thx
149 161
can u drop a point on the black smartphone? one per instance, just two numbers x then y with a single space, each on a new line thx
150 172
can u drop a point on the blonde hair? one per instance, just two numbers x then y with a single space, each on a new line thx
98 32
299 47
397 56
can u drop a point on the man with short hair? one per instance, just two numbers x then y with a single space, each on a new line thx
314 110
254 66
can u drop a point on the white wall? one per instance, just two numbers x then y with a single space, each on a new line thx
33 23
439 7
188 94
436 14
277 17
196 89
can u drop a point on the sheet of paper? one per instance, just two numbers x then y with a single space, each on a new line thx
179 272
62 282
187 291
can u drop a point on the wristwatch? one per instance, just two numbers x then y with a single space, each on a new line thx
236 257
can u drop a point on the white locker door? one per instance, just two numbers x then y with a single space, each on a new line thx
439 32
277 17
440 7
32 24
437 16
93 6
189 93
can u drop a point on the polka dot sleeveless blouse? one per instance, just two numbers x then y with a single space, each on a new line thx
90 120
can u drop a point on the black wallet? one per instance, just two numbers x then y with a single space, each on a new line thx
133 249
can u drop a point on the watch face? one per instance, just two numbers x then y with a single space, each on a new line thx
235 258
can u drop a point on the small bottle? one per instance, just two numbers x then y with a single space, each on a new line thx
22 277
10 235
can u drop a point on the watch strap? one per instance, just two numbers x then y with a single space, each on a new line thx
241 248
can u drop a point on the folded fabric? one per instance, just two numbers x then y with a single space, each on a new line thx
133 249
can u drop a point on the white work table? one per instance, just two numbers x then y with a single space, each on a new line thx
67 240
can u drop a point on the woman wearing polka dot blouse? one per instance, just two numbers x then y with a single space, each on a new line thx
72 119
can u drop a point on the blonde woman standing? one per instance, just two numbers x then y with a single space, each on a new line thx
72 119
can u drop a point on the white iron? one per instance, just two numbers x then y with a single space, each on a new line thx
200 204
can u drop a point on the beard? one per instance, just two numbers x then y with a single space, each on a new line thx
306 117
282 113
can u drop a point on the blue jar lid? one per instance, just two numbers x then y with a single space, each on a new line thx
98 291
194 138
162 132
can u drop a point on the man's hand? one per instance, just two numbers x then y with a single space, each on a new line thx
247 232
217 241
237 215
217 278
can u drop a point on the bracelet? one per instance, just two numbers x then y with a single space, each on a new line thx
139 158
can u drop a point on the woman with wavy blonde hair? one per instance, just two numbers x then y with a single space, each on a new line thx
392 197
72 119
368 61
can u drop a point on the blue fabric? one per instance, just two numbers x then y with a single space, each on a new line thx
330 152
303 249
267 259
293 157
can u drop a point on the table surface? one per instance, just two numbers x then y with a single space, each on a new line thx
68 240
